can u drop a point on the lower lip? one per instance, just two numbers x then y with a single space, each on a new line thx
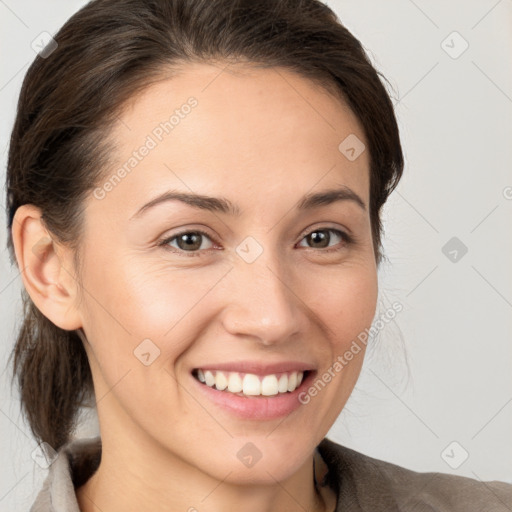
257 407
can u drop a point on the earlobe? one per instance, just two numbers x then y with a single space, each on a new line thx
46 273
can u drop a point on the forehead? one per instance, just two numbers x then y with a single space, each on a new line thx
249 129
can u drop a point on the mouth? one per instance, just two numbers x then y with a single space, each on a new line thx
249 391
250 384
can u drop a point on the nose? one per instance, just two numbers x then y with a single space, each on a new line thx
262 302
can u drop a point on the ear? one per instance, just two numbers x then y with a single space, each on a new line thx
46 268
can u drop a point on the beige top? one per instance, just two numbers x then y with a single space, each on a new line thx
357 482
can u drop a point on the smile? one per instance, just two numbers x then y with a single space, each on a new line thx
249 384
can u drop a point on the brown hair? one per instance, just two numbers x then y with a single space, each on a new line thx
107 52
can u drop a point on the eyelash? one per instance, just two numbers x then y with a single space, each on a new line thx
347 240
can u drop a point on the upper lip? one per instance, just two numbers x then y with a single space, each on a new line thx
259 368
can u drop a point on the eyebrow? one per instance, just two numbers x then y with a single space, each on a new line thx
223 205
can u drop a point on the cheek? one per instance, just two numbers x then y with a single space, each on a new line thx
131 301
344 300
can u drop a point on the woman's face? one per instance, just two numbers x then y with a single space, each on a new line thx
273 280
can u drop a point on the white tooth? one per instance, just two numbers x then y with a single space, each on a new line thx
251 384
282 386
209 378
234 383
269 385
220 381
292 381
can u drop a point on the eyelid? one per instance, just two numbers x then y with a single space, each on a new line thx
345 233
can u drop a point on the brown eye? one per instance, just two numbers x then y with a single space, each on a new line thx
188 241
319 239
322 238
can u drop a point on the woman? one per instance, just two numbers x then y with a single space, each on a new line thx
195 191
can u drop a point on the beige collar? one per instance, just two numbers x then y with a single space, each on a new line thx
320 473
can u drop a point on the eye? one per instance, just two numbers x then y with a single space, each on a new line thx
188 241
191 243
322 238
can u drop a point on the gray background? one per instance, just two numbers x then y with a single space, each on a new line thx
437 386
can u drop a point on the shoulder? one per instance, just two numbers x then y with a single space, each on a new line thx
75 462
365 483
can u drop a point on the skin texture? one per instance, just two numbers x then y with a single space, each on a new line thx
262 138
